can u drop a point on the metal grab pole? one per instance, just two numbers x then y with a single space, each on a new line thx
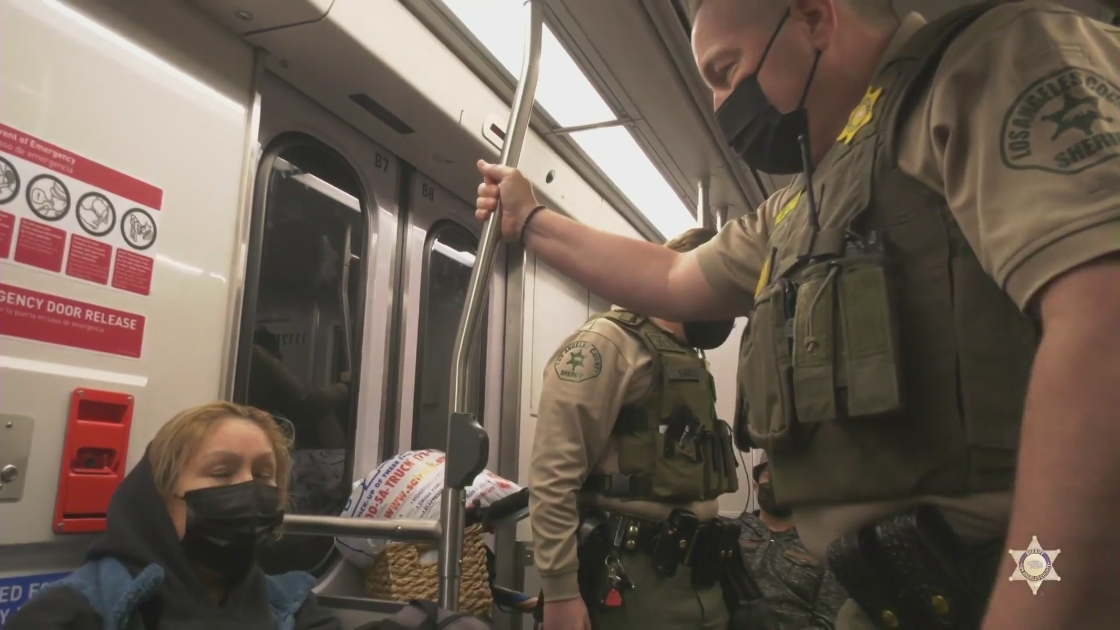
468 445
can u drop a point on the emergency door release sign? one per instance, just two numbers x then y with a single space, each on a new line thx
66 214
38 316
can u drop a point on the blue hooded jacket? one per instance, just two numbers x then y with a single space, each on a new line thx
137 577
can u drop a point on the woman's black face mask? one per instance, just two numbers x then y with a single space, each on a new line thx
764 137
707 335
226 524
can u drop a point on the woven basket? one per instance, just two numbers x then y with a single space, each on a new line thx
397 574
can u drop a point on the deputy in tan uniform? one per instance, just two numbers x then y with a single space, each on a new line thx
935 304
626 421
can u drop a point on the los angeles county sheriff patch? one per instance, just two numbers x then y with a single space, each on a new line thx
1066 122
579 361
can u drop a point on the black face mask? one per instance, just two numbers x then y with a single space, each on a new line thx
226 524
707 335
769 504
764 137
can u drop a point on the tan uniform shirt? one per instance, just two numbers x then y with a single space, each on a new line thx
597 370
1020 128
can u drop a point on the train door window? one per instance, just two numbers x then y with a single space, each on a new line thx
449 257
300 327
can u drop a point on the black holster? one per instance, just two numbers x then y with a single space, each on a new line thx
912 571
592 552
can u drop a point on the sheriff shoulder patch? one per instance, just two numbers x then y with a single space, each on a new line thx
1063 123
579 361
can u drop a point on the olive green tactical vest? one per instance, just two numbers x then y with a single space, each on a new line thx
881 361
671 446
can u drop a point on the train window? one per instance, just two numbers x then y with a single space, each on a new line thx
301 321
448 259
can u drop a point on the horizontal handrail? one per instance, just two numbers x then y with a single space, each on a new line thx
403 530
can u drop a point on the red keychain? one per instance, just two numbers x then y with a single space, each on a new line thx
613 597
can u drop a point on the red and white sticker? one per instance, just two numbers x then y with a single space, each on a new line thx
38 316
66 214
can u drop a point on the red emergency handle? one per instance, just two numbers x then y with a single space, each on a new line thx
93 459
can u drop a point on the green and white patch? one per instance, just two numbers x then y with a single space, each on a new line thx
1065 122
579 361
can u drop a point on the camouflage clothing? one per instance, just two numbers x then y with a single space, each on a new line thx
797 589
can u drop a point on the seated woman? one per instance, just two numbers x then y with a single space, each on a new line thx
220 473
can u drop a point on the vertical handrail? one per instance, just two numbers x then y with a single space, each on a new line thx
344 298
458 476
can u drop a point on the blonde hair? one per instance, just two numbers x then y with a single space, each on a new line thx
177 441
690 239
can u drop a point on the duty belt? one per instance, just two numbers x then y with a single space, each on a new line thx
645 536
710 550
680 540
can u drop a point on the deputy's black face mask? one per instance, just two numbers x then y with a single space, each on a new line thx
764 137
769 504
707 335
226 524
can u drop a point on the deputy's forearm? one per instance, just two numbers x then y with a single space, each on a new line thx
629 272
1068 483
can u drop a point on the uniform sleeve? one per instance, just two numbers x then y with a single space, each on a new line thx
1024 128
57 608
733 261
581 395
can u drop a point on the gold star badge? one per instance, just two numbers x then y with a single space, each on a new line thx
860 116
1034 565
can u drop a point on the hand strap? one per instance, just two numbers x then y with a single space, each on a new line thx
528 218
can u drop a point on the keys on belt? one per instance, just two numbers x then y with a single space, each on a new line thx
617 581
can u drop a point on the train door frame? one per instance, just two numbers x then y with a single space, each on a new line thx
424 213
289 118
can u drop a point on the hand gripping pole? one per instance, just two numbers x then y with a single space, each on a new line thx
468 446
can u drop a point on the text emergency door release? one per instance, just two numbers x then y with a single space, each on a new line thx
93 459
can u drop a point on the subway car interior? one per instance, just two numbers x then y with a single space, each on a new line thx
317 238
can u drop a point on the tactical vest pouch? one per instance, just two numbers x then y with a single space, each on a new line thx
679 471
845 347
671 457
726 442
714 481
814 343
767 370
739 423
720 476
869 325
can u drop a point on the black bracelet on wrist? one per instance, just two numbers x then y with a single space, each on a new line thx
528 218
